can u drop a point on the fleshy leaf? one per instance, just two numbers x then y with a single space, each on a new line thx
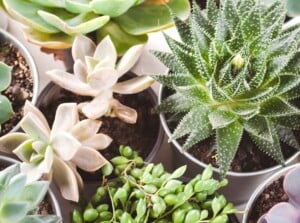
82 47
133 86
106 53
5 76
112 8
6 109
66 117
85 128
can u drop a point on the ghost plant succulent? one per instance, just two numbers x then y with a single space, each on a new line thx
19 200
96 74
57 152
55 23
5 106
235 70
288 212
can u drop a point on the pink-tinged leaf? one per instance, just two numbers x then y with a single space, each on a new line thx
134 85
125 113
82 46
65 145
291 185
86 128
66 180
32 172
70 82
77 175
80 70
11 141
97 141
34 127
66 117
106 51
102 79
129 59
29 107
89 159
46 165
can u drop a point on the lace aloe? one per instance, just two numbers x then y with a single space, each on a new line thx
235 70
6 109
19 200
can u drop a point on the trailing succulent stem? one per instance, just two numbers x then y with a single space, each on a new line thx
143 193
235 69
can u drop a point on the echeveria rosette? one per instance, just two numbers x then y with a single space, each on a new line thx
19 200
96 74
288 212
55 23
58 151
235 69
6 109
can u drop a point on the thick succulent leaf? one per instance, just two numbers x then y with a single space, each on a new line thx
85 129
291 121
8 211
80 6
133 86
291 186
271 15
5 76
6 109
244 7
97 141
228 140
260 68
89 159
212 11
112 8
221 33
80 71
50 3
102 79
196 136
221 118
294 93
287 136
82 47
175 103
174 79
83 23
24 151
170 61
287 82
121 39
123 112
16 184
293 8
41 219
66 117
251 25
277 107
7 173
11 141
201 71
245 110
294 65
32 171
183 30
258 126
197 93
217 93
231 15
152 11
106 53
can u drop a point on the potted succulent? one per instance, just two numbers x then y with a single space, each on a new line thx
231 88
22 201
19 81
283 208
144 192
105 90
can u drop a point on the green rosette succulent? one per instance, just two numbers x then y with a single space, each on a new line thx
19 200
6 109
235 70
55 23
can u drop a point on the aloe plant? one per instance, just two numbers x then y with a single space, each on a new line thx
54 24
235 70
287 212
96 74
19 200
57 152
6 109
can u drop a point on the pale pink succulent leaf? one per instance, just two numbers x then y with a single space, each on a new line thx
70 82
65 145
32 172
106 51
129 59
66 117
46 165
91 63
134 85
89 159
102 79
24 151
123 112
98 141
34 127
39 146
96 108
86 128
66 180
82 46
29 107
291 185
77 175
11 141
80 70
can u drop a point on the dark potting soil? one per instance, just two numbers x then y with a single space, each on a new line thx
272 195
21 87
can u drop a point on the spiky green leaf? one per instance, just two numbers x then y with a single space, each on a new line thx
221 118
278 107
251 25
287 136
175 102
169 61
172 80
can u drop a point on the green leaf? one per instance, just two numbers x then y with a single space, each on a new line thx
111 8
49 3
258 126
183 30
217 92
81 6
16 184
287 82
6 109
245 110
228 140
178 173
8 211
293 8
291 121
278 107
7 174
197 135
294 65
287 136
175 103
171 80
192 216
212 11
294 93
251 25
272 13
170 61
5 76
141 209
231 15
221 118
41 219
197 93
221 33
245 7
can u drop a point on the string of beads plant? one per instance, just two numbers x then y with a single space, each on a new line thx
146 192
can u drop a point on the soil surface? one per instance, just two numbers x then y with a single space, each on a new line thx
21 87
272 195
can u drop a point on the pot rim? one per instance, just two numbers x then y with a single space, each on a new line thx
204 165
263 185
30 61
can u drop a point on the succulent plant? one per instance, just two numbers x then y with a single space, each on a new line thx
54 24
293 8
287 212
6 109
96 74
57 152
19 200
146 192
235 70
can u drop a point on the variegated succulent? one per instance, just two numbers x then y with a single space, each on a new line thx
235 70
55 23
19 200
96 74
57 152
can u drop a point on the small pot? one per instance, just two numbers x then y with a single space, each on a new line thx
262 187
7 37
241 184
